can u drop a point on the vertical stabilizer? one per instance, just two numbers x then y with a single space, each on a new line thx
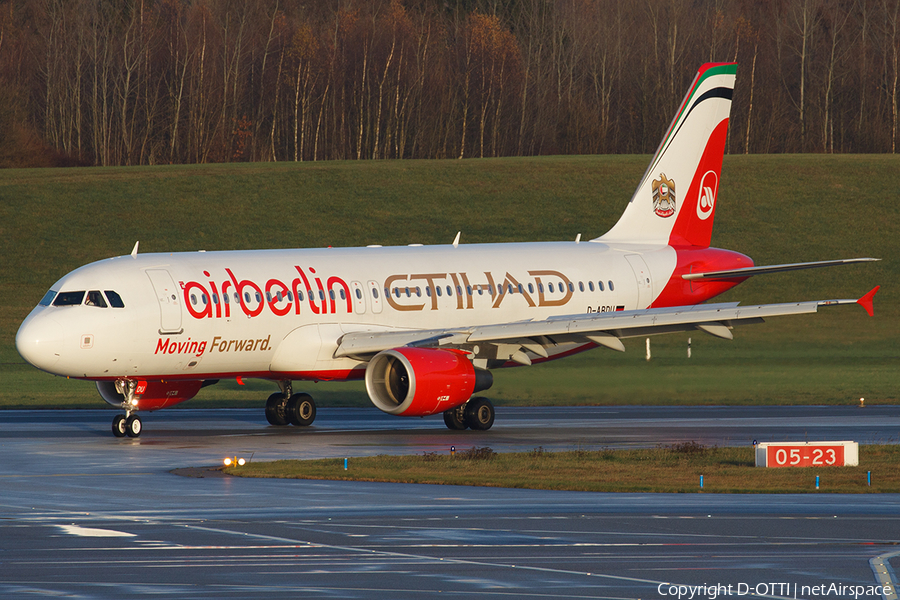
675 203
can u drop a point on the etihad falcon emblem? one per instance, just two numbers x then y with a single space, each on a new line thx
663 196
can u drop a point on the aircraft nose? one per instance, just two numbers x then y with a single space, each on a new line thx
39 341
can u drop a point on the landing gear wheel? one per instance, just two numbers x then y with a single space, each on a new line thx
455 418
118 426
479 414
133 426
276 410
301 410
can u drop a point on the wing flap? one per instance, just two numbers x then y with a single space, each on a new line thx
606 329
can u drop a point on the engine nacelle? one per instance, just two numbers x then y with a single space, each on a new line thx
152 395
417 382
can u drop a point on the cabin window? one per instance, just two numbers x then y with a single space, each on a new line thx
215 298
591 285
396 292
279 296
500 290
47 300
418 291
521 289
203 297
428 291
449 291
358 294
571 287
258 297
343 294
322 295
237 298
580 286
611 288
69 299
225 297
480 289
374 293
115 300
194 299
268 296
469 289
407 292
530 288
95 298
541 288
299 296
550 286
331 294
459 290
600 285
438 290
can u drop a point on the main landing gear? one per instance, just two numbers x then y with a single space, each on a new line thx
476 414
285 407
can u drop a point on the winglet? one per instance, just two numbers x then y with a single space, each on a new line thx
866 301
134 250
456 241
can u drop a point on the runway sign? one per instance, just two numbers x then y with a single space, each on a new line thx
807 454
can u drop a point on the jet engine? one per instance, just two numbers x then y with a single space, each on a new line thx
151 395
417 382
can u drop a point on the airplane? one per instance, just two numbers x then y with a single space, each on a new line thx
422 325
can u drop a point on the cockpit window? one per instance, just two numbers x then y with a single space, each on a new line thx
115 300
47 300
95 298
69 299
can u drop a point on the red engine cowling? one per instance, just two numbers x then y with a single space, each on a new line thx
417 382
152 395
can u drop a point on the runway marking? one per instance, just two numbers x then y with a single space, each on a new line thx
93 532
884 574
44 476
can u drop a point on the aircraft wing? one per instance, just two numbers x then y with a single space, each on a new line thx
606 329
748 271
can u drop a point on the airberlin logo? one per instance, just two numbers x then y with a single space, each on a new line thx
707 200
217 300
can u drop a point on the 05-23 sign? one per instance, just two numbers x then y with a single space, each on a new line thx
805 456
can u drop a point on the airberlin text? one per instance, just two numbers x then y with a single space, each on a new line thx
218 344
404 292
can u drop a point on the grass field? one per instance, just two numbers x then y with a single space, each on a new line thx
673 469
776 209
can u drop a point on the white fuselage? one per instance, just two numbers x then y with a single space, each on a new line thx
208 315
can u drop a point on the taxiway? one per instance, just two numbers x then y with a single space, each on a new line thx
85 515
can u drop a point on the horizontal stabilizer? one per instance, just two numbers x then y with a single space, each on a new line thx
867 301
748 271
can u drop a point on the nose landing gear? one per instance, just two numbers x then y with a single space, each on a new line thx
128 424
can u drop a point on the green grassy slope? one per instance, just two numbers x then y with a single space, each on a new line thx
774 208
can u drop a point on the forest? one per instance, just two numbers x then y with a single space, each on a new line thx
144 82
